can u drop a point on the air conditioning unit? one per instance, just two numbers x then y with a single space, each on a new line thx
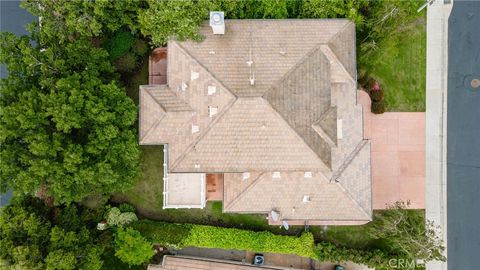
217 22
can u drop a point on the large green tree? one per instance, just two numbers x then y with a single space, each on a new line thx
66 126
67 19
33 236
131 247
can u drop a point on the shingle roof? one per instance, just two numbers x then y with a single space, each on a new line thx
347 199
287 121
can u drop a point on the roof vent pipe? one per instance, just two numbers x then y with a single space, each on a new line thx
217 22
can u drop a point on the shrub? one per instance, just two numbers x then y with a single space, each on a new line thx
132 248
376 95
378 107
126 207
166 234
120 44
116 218
184 235
126 63
140 47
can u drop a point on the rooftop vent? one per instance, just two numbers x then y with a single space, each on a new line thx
245 175
276 175
195 129
217 22
212 110
184 86
211 89
194 75
308 175
306 199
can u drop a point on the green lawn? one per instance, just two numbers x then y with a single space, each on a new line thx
399 64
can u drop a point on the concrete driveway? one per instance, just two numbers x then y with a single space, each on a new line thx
398 155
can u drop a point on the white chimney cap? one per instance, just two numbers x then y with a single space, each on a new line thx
217 22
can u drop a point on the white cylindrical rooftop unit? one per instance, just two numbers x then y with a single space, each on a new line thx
217 22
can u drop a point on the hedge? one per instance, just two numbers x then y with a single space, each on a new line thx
185 235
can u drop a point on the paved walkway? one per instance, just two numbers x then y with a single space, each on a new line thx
398 155
436 120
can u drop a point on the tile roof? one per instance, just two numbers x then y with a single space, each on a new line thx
347 199
300 114
193 263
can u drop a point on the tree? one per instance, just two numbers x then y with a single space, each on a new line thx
33 236
66 125
68 19
131 247
335 9
163 19
406 233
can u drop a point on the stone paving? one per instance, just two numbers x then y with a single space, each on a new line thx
398 155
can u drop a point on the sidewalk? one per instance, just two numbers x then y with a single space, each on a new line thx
436 120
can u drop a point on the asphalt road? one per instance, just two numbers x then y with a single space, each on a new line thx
463 137
12 19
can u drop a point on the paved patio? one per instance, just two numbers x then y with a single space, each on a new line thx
157 66
398 155
214 187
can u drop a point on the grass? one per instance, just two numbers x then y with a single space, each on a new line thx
399 64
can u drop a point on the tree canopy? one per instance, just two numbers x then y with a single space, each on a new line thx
66 125
68 19
131 247
33 236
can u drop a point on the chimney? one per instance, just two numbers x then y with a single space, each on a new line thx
217 22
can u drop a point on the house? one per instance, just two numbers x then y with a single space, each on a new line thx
270 105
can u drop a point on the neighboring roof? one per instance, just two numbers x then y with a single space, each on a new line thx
191 263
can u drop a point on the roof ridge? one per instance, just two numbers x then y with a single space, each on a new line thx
332 39
293 68
299 137
150 94
340 31
201 136
349 195
244 191
317 126
220 115
345 165
173 94
203 66
348 160
315 49
336 59
155 124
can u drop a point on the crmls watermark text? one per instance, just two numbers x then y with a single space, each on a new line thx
405 263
